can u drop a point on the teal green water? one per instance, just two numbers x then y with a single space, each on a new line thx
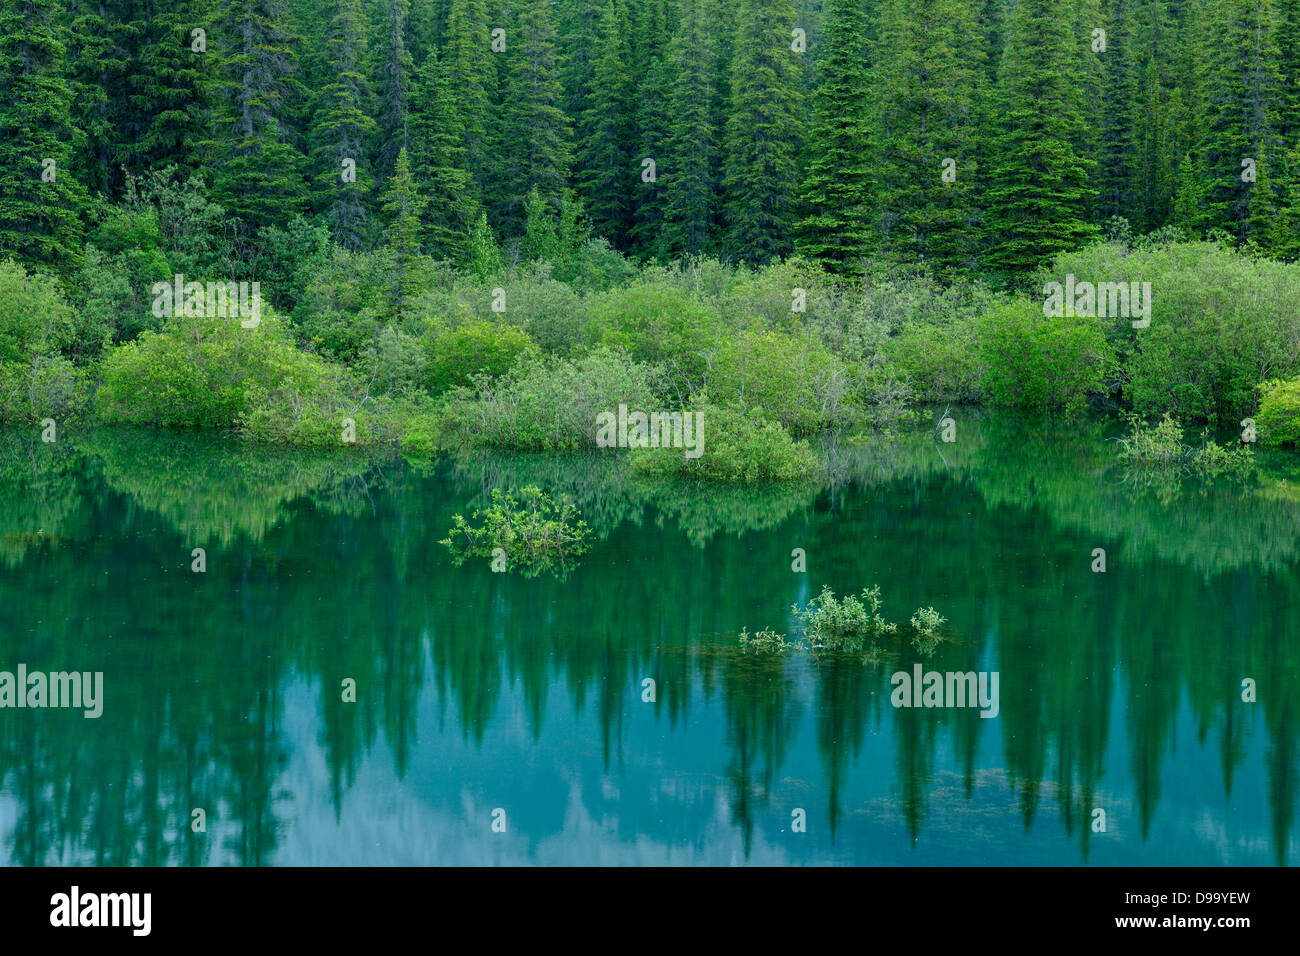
476 691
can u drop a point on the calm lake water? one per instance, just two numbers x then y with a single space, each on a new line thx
478 691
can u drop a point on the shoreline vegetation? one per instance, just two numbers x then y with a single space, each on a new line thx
772 360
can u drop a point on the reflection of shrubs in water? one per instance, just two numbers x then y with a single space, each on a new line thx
533 531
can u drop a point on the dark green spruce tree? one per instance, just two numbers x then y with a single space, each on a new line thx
836 195
40 199
762 143
438 162
259 167
341 129
688 176
1038 196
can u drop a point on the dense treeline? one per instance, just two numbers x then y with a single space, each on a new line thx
947 135
484 224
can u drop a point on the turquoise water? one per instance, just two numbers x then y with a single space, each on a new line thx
479 692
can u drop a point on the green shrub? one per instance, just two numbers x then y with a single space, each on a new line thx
766 641
1278 419
547 403
455 356
736 446
842 624
1033 361
532 531
792 378
1221 323
210 373
661 326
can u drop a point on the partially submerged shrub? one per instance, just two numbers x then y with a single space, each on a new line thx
766 641
530 532
927 621
1278 419
736 446
842 624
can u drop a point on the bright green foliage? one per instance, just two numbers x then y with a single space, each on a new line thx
459 355
789 377
204 373
842 624
634 319
1278 419
735 445
547 405
529 531
1035 361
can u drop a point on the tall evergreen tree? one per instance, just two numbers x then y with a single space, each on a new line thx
341 128
604 152
259 173
924 101
1039 195
836 190
394 68
438 162
688 177
1241 82
763 132
40 198
534 141
467 58
403 208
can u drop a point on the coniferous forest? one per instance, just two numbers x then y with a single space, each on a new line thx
553 431
836 210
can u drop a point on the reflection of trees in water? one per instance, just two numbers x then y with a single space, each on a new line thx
321 568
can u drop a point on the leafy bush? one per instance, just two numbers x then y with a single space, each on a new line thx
455 356
927 621
1161 443
533 532
1221 323
547 403
792 378
210 373
661 326
1033 361
736 446
842 624
1278 419
766 641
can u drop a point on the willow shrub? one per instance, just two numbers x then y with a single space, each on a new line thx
737 446
1029 360
546 403
210 373
1220 324
1278 419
